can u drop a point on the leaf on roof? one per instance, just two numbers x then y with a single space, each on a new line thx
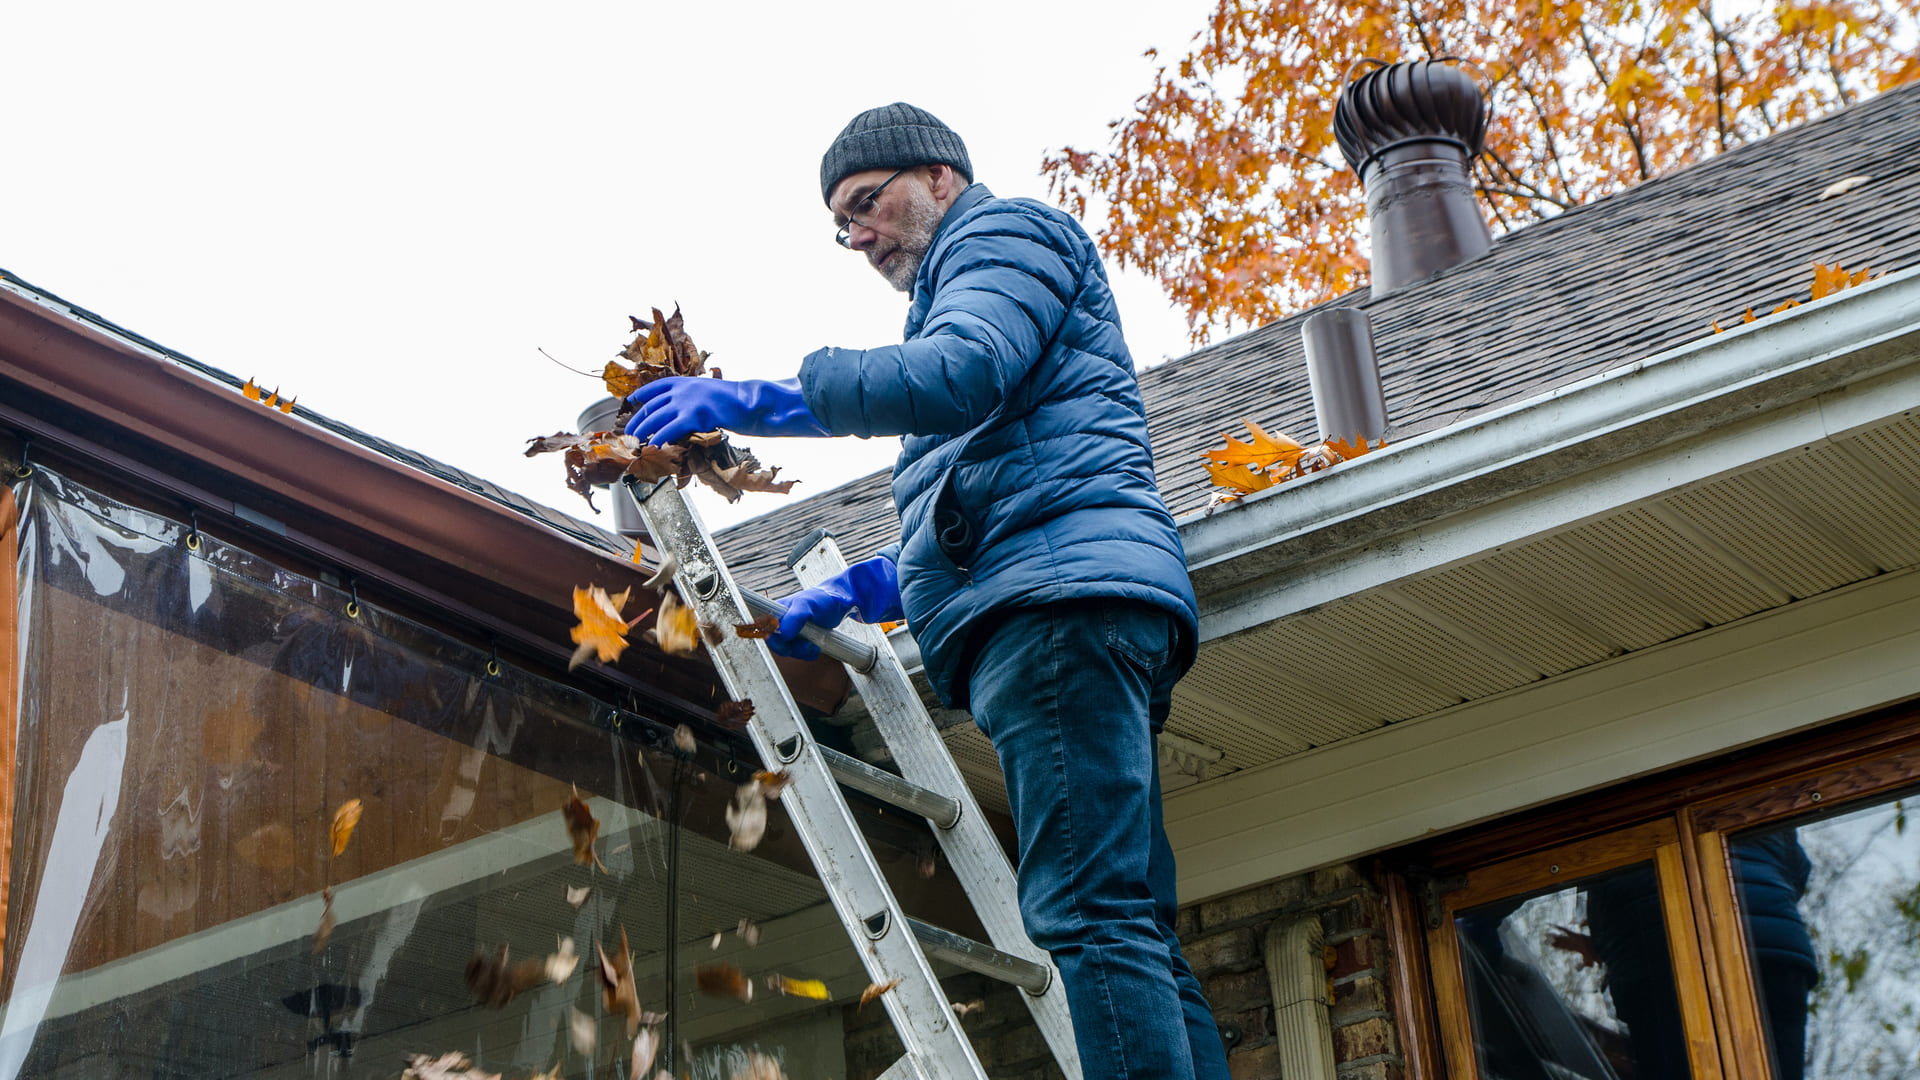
1266 459
1841 187
1827 280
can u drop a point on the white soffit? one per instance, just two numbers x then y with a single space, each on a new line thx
1782 670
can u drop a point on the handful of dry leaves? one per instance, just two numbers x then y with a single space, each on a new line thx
659 349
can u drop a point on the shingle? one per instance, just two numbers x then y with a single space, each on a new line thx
1601 285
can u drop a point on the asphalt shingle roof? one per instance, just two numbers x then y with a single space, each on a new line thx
1604 284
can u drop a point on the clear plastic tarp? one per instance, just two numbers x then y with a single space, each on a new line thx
191 718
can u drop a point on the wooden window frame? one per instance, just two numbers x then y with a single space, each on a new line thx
1657 842
1681 820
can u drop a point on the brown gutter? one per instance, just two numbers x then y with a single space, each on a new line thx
66 383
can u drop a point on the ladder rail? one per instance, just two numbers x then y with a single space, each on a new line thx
969 844
936 1047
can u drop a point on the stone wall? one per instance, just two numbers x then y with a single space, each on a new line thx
1224 942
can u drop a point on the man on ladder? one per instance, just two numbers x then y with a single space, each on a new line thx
1038 566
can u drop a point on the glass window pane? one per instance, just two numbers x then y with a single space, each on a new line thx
1577 982
1831 910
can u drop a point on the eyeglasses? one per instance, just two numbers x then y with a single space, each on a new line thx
845 236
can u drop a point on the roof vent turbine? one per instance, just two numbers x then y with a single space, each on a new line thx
1411 130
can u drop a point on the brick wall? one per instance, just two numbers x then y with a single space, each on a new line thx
1224 942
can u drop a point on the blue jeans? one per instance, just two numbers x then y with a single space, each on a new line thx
1071 695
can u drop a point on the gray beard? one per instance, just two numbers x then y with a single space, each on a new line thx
917 226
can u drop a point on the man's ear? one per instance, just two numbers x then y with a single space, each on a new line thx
945 183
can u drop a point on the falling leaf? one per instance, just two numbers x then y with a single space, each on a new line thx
344 819
582 1031
561 962
645 1046
963 1009
747 817
617 991
452 1065
874 990
1841 187
269 847
602 629
748 932
801 988
325 929
675 629
683 739
723 980
494 981
582 828
733 715
773 783
762 627
757 1066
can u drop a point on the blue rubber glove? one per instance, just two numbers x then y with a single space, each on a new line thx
872 587
673 408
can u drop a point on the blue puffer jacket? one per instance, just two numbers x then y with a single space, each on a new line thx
1026 437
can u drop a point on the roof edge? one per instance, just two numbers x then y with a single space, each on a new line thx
1254 547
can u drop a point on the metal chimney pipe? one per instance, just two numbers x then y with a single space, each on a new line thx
1344 373
1412 130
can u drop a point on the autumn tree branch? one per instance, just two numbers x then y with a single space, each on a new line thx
1632 129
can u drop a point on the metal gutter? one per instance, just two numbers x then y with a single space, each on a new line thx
1431 501
116 404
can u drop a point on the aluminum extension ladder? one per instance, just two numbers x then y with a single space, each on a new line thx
891 945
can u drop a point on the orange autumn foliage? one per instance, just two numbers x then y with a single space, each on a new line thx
1225 183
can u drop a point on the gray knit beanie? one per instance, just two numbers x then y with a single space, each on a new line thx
892 136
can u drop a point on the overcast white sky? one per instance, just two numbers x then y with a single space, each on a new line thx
385 208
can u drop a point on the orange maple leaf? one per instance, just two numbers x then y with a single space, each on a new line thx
676 629
1263 450
602 628
1244 479
344 819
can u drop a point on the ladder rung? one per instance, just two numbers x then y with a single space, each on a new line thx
986 960
942 810
850 651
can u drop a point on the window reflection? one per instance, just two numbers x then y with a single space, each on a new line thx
1831 910
1577 982
190 720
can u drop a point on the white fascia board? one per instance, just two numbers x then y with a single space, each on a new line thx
1610 441
1783 670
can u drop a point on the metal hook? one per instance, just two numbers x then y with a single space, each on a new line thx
193 530
24 469
353 598
493 665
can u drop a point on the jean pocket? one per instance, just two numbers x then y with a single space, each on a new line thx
1141 633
